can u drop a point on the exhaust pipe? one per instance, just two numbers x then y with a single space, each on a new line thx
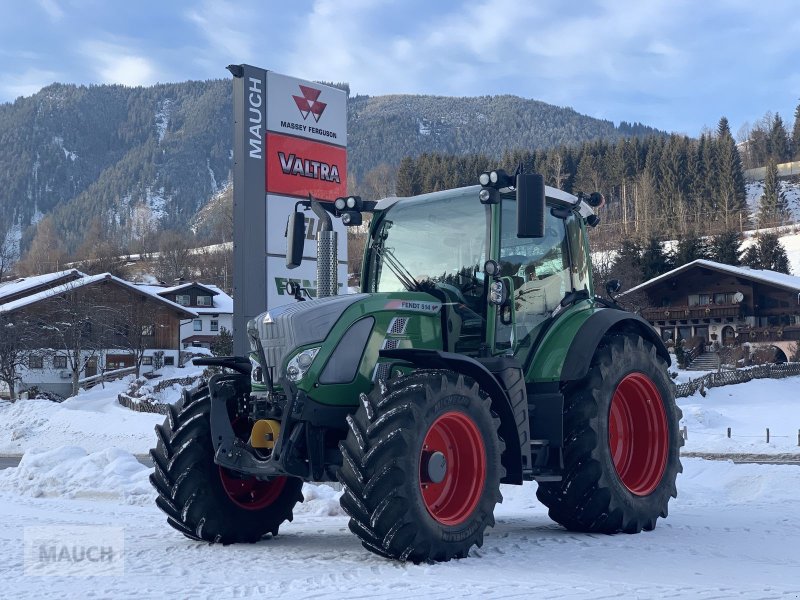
327 253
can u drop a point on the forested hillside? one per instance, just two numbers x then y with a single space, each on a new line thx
127 161
388 128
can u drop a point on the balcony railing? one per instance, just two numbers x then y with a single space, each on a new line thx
768 334
666 313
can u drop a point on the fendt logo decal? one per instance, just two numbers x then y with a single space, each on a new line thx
291 164
308 104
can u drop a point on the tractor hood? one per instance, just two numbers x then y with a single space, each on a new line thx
284 328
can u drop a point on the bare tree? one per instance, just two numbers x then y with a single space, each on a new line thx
17 346
133 325
46 253
174 257
99 253
8 256
214 265
74 324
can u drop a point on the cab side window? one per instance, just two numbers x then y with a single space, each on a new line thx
539 268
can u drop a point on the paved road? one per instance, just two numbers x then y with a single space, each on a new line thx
13 461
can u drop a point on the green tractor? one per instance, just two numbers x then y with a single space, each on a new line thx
476 354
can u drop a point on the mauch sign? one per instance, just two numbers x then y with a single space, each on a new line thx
290 139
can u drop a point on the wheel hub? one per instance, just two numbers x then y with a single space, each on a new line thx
452 468
437 467
638 434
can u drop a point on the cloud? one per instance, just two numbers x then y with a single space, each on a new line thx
115 63
27 83
224 25
52 9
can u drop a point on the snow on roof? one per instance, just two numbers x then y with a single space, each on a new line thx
20 285
88 280
175 288
789 282
223 303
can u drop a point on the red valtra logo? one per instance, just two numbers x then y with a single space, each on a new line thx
308 103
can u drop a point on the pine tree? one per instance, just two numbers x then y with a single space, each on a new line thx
730 190
767 253
773 207
627 265
655 260
778 143
408 178
796 134
724 247
690 247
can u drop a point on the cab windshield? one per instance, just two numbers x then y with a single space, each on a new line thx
434 243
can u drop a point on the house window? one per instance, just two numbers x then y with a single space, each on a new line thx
183 299
169 361
214 325
59 362
147 360
699 299
35 362
198 325
148 330
204 301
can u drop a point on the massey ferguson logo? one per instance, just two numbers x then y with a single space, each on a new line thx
308 103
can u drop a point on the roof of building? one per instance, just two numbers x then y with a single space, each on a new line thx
89 280
788 282
13 287
223 303
176 288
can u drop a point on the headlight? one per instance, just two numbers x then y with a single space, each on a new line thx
300 363
267 319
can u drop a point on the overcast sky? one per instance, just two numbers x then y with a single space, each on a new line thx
674 64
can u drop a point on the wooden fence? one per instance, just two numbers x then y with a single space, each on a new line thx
721 378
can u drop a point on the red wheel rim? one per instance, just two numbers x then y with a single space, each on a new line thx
251 493
638 435
452 500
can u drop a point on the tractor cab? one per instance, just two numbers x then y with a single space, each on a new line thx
499 280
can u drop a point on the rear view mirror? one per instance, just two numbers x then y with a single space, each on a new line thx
295 239
530 205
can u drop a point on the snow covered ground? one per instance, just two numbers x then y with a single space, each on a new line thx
731 532
93 419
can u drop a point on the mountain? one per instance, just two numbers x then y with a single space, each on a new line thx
151 157
387 128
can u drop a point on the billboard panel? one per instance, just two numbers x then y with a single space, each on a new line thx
278 209
309 110
306 275
290 139
297 167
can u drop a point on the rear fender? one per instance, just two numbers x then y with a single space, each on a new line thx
602 322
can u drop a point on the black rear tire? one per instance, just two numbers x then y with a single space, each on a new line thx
404 504
201 500
621 442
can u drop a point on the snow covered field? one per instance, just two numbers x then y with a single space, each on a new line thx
93 419
732 531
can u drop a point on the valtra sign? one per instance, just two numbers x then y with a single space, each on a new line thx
290 140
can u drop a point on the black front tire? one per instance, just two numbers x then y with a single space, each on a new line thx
621 450
192 487
397 507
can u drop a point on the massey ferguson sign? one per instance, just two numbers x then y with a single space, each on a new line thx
290 139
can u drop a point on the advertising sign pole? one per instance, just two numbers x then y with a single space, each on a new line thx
290 139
